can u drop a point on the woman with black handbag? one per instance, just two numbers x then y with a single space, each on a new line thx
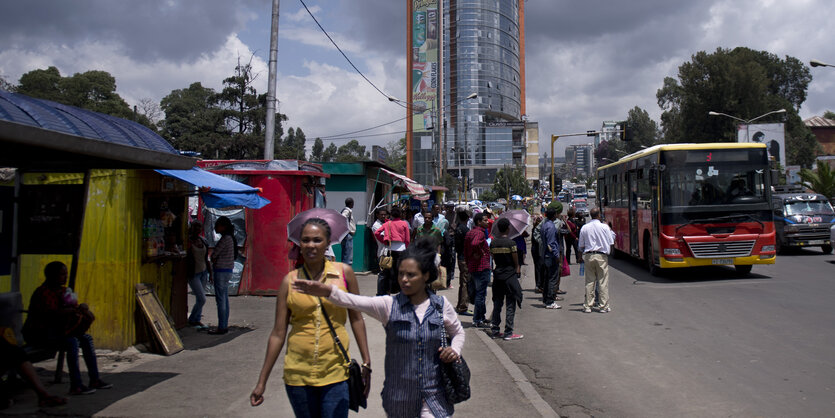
318 374
424 375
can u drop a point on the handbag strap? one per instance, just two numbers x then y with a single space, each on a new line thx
443 326
330 324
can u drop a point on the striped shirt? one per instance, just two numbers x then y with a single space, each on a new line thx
223 256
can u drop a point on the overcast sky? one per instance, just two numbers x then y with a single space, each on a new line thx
587 61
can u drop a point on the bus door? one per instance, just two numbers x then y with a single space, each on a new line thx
633 213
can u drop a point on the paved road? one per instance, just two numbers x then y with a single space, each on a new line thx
700 343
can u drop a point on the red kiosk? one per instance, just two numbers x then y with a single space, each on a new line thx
292 187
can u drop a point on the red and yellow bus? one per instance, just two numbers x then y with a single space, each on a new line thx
685 205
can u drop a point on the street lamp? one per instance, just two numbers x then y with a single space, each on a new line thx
746 122
816 63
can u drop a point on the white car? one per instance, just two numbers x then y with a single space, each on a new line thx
591 193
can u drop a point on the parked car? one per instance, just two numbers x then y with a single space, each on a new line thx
592 194
803 220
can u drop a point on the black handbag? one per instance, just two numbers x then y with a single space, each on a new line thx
455 376
356 386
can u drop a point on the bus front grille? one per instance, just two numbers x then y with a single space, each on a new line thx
721 249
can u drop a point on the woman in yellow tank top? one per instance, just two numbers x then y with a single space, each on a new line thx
315 373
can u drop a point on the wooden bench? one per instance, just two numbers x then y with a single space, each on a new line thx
11 316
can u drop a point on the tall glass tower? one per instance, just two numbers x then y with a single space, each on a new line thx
483 53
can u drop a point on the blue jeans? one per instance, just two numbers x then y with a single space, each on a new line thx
319 401
196 284
71 344
478 294
222 298
348 249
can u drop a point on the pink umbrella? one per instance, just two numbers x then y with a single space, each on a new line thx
518 222
337 222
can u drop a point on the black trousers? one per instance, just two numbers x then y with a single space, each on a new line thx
551 280
503 295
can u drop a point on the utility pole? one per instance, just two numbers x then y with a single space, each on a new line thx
269 136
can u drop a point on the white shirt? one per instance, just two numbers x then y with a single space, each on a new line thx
379 307
417 220
380 246
596 236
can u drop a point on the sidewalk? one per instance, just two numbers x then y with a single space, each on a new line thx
214 375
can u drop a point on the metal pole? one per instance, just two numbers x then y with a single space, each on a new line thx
269 136
553 139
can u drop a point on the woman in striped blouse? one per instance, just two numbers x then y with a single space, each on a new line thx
413 319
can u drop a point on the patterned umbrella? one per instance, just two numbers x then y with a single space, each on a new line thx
518 222
337 222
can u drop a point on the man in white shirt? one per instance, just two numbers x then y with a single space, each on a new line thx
348 241
596 239
382 216
417 220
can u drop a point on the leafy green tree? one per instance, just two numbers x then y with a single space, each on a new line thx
510 181
740 82
193 122
6 85
316 154
829 115
352 151
92 90
397 155
488 196
240 102
330 153
292 146
644 129
822 180
607 152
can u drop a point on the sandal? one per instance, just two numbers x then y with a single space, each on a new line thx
52 400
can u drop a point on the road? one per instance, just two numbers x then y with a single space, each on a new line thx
697 343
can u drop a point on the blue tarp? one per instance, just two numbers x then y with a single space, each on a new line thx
218 191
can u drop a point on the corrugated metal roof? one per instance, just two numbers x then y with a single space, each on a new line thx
819 122
75 121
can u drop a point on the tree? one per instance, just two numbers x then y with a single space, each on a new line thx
510 181
330 153
193 122
397 155
606 152
829 115
352 151
740 82
488 196
150 109
822 180
292 146
92 90
318 150
645 130
240 102
6 85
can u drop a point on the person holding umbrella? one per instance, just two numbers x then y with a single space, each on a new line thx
315 372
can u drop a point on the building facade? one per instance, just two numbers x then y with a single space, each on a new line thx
581 158
532 173
481 53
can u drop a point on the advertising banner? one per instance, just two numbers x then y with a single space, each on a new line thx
424 63
773 135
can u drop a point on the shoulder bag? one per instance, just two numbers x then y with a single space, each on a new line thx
455 376
386 261
356 386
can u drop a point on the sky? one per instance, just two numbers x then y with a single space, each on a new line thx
587 61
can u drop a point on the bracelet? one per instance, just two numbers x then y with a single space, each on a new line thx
366 366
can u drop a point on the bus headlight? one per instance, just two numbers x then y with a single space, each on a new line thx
767 248
672 251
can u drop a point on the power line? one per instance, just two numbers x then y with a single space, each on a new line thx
343 53
363 130
357 137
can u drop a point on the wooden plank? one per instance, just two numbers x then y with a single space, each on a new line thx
161 324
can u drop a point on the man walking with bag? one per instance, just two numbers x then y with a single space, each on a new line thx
348 241
596 239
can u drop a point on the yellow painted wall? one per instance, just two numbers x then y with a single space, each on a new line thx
110 260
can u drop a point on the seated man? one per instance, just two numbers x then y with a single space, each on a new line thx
52 323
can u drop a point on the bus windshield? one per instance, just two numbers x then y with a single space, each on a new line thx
699 178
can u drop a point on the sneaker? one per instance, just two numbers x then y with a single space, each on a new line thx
605 310
81 390
100 384
496 334
538 290
586 310
511 336
553 306
482 324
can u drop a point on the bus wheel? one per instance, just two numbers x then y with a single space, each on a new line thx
651 267
827 249
743 270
